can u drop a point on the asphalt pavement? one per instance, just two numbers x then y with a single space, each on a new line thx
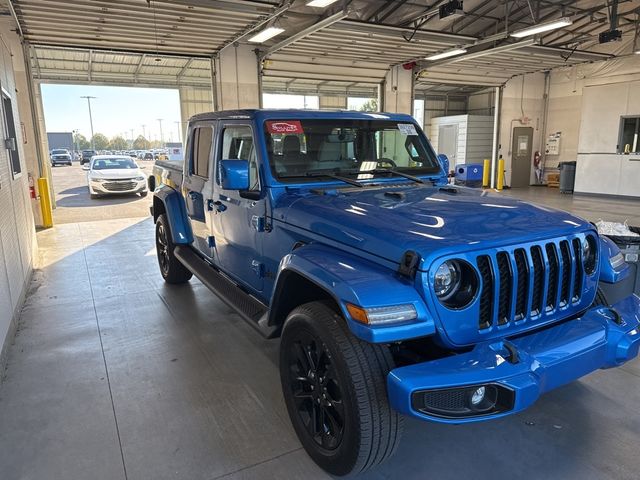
73 203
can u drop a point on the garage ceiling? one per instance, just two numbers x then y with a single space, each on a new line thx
348 45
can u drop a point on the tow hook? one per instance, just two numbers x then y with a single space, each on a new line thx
612 315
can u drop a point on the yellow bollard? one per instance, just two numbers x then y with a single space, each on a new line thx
486 172
500 181
45 202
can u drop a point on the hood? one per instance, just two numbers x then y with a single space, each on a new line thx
433 221
117 174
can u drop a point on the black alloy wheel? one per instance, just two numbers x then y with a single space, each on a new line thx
170 267
316 391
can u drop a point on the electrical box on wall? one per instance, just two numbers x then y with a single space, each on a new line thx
553 144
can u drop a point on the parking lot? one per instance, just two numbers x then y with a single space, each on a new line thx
73 203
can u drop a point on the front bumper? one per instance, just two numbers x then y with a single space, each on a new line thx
524 367
117 187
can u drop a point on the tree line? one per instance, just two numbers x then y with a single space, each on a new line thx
101 142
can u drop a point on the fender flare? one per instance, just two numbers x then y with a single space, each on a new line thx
347 278
176 212
608 273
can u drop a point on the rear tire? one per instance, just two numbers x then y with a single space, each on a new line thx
335 389
170 267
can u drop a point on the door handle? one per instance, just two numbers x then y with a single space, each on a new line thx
218 205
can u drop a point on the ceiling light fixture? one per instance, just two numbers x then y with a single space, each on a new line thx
266 34
451 9
320 3
447 54
543 27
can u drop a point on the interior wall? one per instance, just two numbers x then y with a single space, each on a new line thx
398 91
17 229
522 106
237 78
585 105
194 100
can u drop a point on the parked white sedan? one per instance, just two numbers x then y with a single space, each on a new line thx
115 174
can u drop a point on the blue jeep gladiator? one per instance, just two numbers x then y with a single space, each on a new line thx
393 292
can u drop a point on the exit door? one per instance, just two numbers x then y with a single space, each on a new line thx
448 142
521 150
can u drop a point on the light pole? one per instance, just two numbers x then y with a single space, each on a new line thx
179 125
75 141
89 97
144 131
131 130
161 136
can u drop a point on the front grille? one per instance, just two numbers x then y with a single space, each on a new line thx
527 282
119 186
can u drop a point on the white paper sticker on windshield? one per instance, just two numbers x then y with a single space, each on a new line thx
407 129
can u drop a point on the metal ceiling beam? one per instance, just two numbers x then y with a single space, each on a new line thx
184 69
140 64
324 23
259 24
15 17
483 53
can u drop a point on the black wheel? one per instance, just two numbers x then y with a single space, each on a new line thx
170 267
335 389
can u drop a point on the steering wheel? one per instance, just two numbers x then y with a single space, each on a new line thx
385 161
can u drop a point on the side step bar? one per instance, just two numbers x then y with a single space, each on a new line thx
248 307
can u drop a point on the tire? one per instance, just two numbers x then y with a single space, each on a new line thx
323 365
170 267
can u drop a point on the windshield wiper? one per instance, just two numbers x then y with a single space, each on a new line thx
388 170
328 175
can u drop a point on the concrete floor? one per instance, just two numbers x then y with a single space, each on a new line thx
115 375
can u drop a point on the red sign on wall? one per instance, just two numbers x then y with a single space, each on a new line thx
284 126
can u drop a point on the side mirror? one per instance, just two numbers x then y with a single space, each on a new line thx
234 174
444 163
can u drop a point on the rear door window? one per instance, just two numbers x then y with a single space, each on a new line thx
202 141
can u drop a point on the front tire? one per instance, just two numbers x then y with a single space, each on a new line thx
335 389
170 267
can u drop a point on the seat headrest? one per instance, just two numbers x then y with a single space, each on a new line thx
291 144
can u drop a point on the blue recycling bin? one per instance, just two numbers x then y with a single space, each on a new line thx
469 175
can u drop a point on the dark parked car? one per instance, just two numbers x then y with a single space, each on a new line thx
86 156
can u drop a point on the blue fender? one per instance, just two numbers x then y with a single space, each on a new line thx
609 273
176 213
350 279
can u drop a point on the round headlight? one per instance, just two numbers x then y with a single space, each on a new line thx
446 279
455 284
589 254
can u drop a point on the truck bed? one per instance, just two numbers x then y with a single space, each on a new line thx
168 172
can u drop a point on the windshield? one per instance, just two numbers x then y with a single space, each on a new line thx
58 152
113 163
307 148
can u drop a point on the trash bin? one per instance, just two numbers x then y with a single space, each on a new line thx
630 248
567 176
469 175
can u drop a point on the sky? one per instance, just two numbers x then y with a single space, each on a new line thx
115 111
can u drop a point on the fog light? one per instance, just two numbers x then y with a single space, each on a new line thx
478 396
